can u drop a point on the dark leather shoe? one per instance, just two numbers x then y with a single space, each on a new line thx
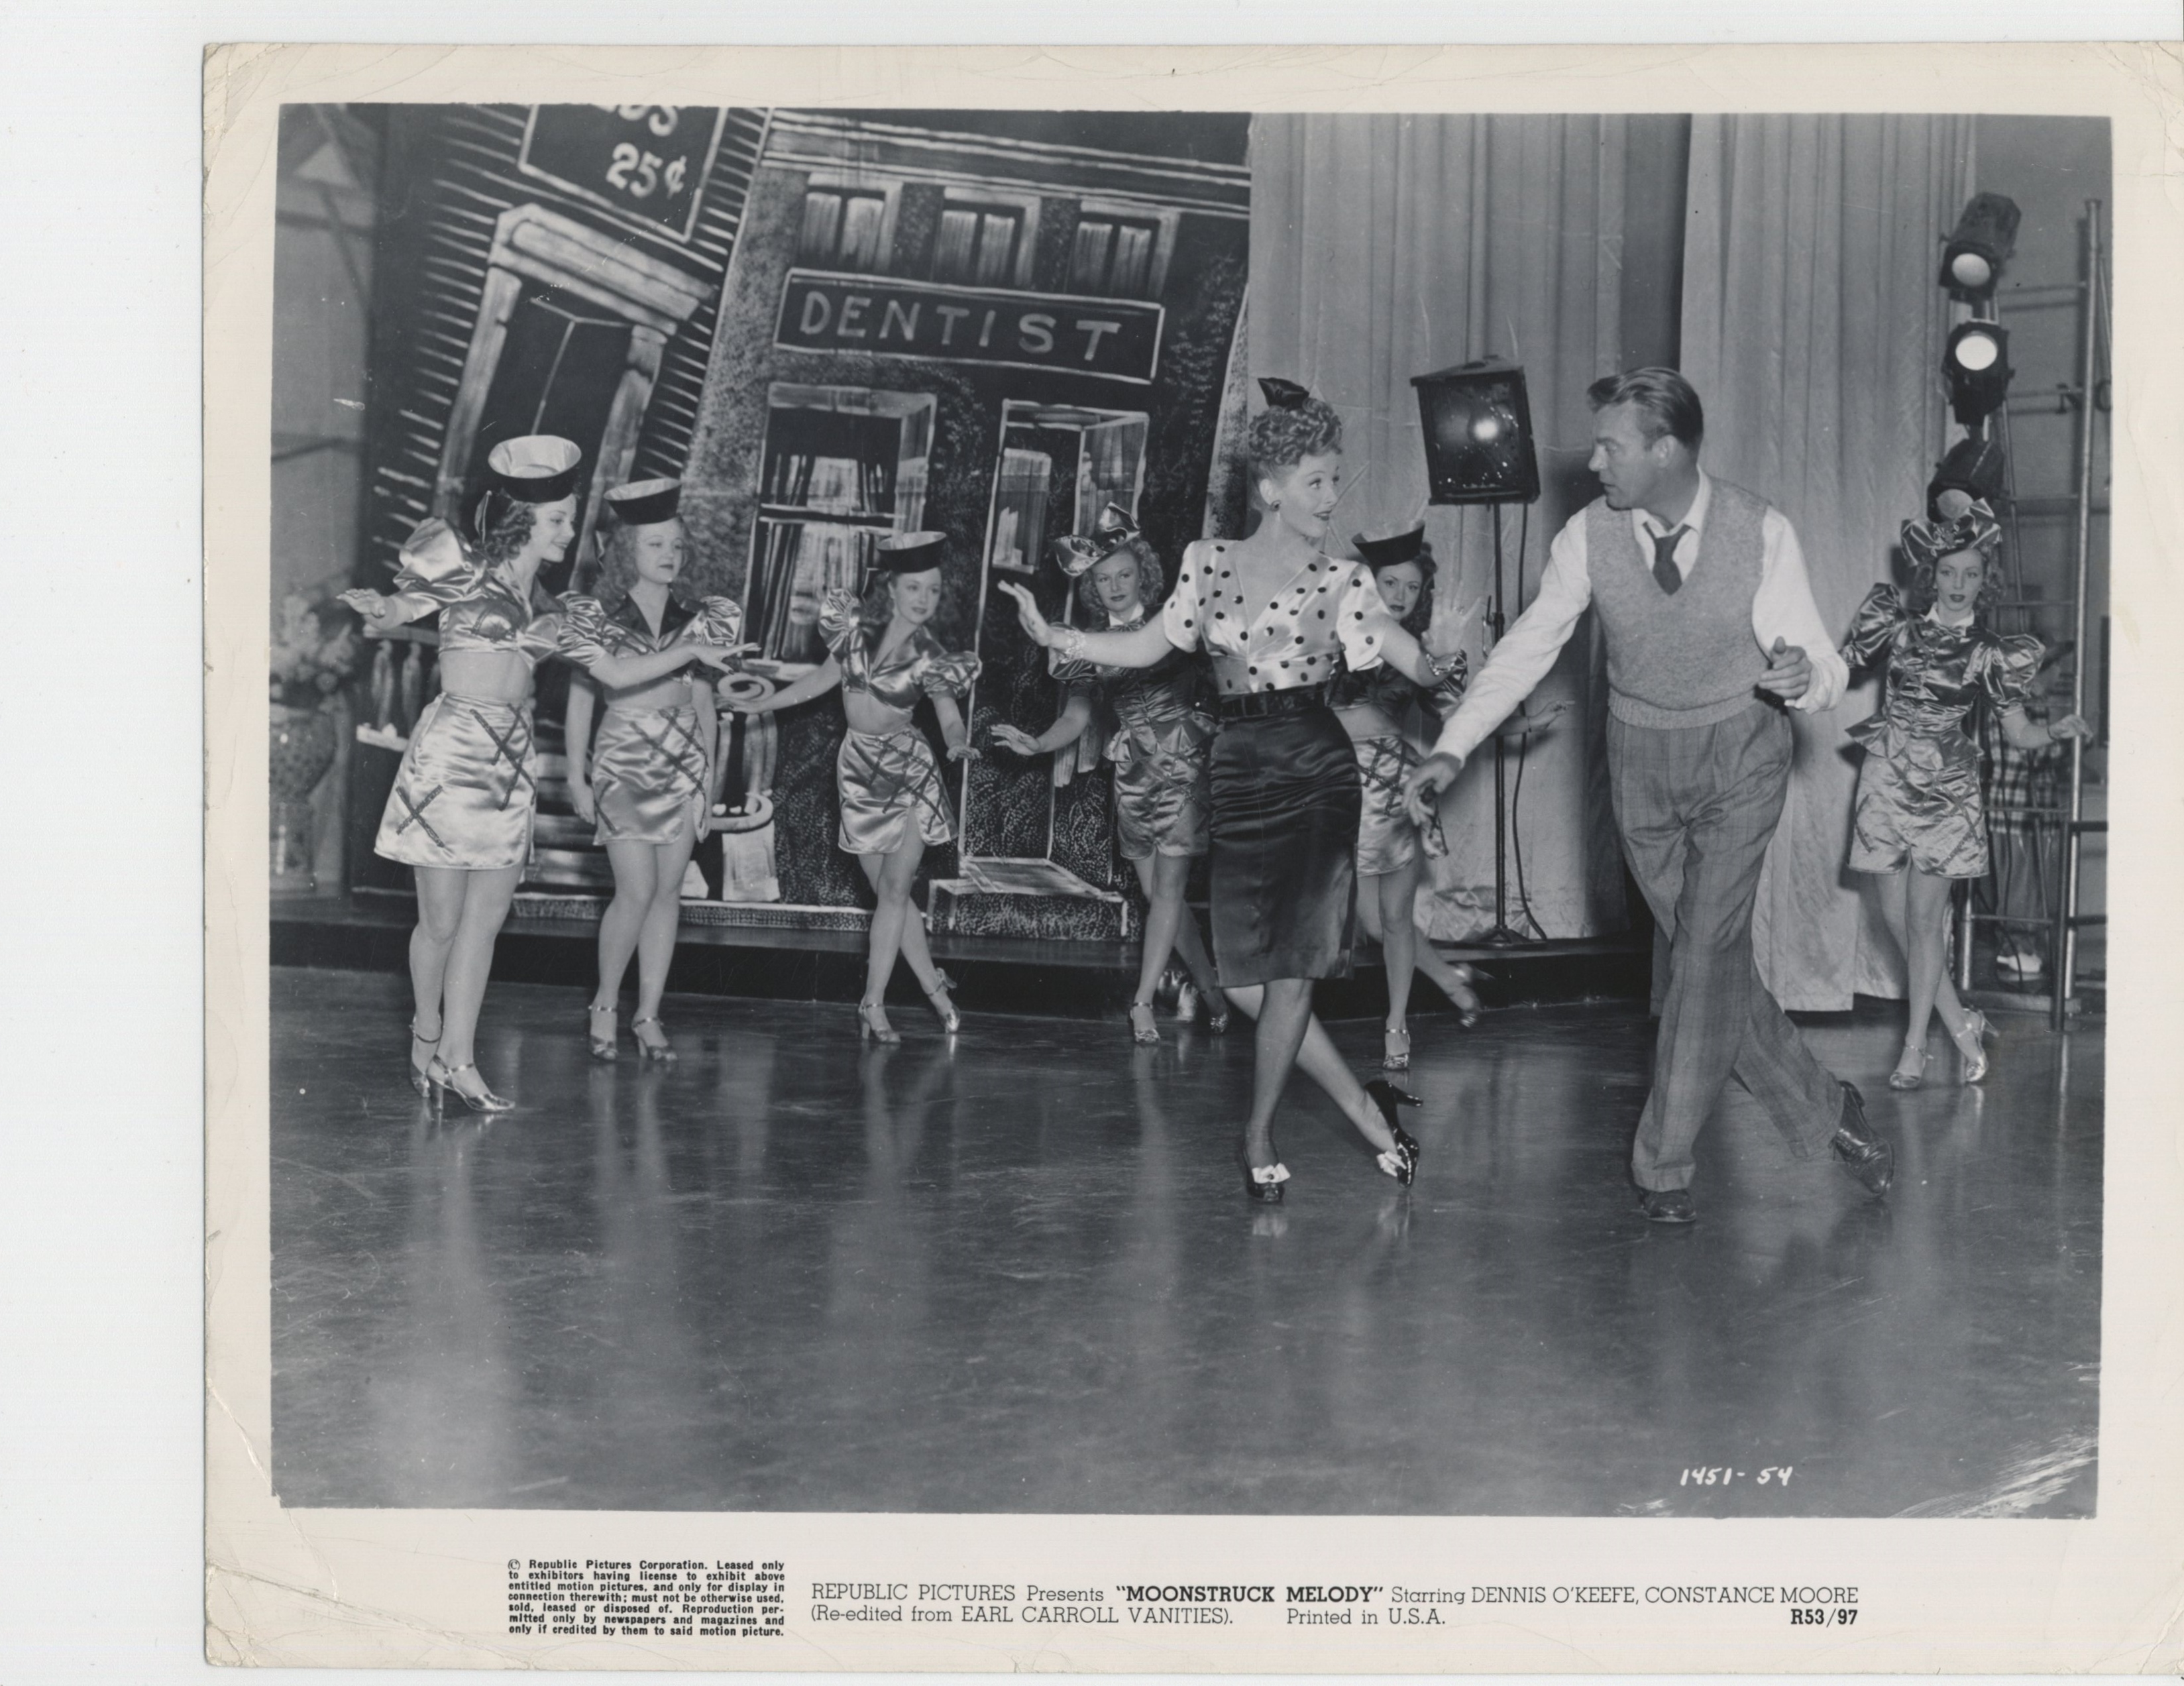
1864 1152
1670 1206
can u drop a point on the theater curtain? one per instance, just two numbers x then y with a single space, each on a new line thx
1384 246
1813 329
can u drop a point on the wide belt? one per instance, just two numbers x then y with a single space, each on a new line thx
1261 704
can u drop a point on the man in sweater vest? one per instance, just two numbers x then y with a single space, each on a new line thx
1712 631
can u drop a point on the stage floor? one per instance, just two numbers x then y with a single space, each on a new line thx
1019 1274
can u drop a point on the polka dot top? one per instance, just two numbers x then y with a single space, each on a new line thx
1327 616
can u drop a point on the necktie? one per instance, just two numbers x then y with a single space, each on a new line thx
1665 561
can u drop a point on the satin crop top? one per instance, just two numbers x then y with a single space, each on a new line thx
480 606
917 666
591 629
1329 613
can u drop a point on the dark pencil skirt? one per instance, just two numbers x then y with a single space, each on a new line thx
1286 801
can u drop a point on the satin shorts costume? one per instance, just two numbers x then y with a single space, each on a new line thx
887 780
467 786
1286 797
1918 799
1161 747
648 768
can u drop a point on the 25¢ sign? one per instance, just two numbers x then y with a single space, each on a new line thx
646 162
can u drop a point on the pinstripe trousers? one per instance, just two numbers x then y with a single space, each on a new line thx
1696 807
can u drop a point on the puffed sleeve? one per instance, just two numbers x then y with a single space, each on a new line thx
947 673
1873 627
436 570
2007 667
1183 615
1362 619
542 637
838 621
719 620
1445 692
1075 676
584 638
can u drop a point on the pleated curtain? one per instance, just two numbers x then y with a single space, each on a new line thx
1385 247
1814 330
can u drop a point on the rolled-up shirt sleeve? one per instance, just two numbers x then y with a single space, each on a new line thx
1783 608
1528 649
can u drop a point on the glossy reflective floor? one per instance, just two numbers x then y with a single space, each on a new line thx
1018 1274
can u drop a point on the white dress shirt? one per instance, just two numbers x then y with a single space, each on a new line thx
1782 607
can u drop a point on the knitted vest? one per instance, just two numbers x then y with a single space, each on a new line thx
1689 659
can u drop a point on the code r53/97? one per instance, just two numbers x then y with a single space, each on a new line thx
1840 1616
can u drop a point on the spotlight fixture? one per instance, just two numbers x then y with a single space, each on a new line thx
1973 257
1973 470
1477 427
1977 365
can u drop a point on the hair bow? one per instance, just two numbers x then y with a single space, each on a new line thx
1077 555
1284 394
1925 542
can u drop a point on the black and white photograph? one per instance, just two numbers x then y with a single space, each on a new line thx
1295 862
1218 814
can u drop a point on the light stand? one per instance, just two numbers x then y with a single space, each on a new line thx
1500 936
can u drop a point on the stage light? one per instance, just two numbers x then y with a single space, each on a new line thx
1973 258
1973 469
1977 365
1478 423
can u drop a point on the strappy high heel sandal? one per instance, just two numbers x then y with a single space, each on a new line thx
1143 1031
1977 1031
1401 1161
663 1051
1188 998
873 1025
1467 1008
1395 1048
418 1079
442 1078
1262 1183
1910 1076
951 1021
602 1050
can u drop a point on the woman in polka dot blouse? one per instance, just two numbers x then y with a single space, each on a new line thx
1280 618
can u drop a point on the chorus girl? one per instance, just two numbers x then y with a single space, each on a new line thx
893 803
1371 706
1279 617
645 783
459 815
1161 745
1920 808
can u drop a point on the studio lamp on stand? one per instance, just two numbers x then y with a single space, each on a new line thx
1478 426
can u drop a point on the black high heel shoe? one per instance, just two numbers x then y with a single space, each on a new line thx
442 1079
1263 1183
1401 1163
418 1079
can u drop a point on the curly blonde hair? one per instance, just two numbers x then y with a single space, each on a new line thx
1279 438
618 569
1152 579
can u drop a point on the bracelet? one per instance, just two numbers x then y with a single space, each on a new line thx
1070 646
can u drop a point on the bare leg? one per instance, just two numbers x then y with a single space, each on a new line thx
655 942
1926 916
486 900
1313 1053
891 877
439 914
623 922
